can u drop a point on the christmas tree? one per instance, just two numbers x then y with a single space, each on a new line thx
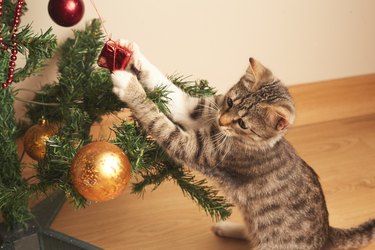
80 97
88 97
36 48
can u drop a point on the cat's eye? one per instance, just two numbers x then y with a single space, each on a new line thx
242 124
229 102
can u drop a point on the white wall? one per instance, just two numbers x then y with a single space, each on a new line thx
300 40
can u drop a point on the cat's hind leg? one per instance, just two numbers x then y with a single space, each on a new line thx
230 230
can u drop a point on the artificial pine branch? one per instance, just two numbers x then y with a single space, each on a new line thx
36 48
140 149
81 84
206 196
14 190
159 95
54 170
198 88
13 196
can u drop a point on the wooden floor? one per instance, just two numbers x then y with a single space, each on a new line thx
335 134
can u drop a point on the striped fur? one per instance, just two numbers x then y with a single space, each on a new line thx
237 140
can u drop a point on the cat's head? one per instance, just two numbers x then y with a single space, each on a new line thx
258 109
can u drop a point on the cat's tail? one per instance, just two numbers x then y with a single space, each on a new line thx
354 237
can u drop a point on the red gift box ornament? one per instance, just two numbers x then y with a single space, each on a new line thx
114 57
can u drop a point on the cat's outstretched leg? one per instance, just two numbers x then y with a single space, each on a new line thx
186 146
148 75
230 230
185 110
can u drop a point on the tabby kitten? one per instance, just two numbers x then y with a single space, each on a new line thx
237 140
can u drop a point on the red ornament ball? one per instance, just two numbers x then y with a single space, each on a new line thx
66 12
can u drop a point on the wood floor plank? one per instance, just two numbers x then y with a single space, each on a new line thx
334 99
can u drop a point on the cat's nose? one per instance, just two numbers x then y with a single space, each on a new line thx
224 120
220 124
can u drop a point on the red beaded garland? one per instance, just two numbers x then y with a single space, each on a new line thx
14 51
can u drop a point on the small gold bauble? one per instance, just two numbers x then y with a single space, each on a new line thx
35 139
100 171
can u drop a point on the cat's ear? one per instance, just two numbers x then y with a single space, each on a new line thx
279 117
258 72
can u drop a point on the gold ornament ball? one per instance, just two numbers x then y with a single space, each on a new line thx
35 139
100 171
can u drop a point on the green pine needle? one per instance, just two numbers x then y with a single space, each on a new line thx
207 197
197 88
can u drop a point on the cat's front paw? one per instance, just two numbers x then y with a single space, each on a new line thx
138 61
121 80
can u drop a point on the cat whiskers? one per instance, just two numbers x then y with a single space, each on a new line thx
212 105
218 139
210 118
225 142
212 108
